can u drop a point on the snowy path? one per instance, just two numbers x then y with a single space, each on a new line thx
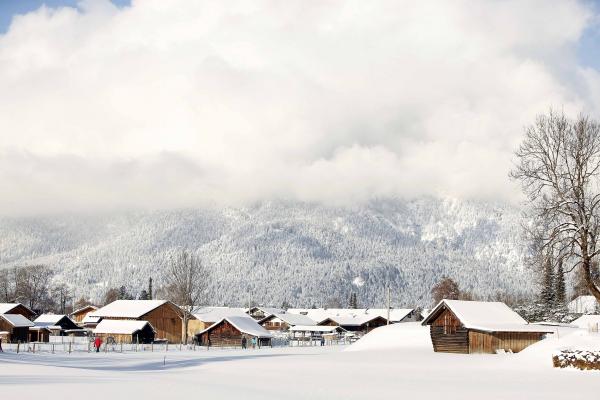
293 373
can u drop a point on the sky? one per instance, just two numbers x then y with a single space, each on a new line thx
167 104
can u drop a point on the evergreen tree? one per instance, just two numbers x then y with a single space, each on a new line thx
123 295
547 294
143 295
353 301
150 288
560 291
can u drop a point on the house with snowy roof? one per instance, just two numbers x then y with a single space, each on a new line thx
282 321
51 324
207 316
229 332
17 308
260 312
458 326
79 314
125 331
164 316
584 305
14 328
396 315
360 323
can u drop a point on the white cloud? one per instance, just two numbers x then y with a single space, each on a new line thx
179 103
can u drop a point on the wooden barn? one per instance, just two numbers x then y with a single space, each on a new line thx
230 330
51 324
17 308
357 324
15 327
207 316
164 316
458 326
125 331
283 321
78 315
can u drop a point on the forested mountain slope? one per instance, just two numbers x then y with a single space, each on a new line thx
305 254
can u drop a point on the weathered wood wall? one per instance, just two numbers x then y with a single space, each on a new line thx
78 317
223 334
448 335
485 342
167 323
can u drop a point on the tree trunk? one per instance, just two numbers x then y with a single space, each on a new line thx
587 273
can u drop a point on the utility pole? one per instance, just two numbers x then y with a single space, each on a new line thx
388 304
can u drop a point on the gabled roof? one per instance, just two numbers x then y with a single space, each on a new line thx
120 327
586 321
6 308
318 328
49 319
487 316
17 320
128 308
290 319
213 314
320 314
348 320
88 307
88 319
244 324
267 310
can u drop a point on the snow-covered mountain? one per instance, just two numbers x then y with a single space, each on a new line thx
273 252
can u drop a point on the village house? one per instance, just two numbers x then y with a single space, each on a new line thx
480 327
17 308
79 314
309 334
396 315
207 316
229 332
164 316
47 325
259 313
283 321
14 328
360 324
125 331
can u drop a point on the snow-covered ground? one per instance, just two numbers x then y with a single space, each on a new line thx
393 361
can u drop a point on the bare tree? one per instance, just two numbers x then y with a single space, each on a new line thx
185 284
558 164
447 288
61 295
32 285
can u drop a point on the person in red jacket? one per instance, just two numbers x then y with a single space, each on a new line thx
97 344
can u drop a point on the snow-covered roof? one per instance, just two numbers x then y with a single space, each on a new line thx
120 327
267 310
17 320
320 314
6 308
488 316
583 305
352 320
213 314
291 319
127 308
314 328
244 324
89 306
88 319
587 321
48 319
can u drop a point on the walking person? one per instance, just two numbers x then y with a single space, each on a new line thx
1 351
244 342
254 343
97 344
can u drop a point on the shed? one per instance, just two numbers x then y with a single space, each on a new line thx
207 316
283 321
458 326
50 324
79 314
359 324
164 316
230 330
16 327
589 322
17 308
259 313
125 331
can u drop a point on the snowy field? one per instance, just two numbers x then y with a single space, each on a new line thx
395 361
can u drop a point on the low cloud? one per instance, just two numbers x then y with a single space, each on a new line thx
182 104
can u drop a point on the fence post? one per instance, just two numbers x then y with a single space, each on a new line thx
18 345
